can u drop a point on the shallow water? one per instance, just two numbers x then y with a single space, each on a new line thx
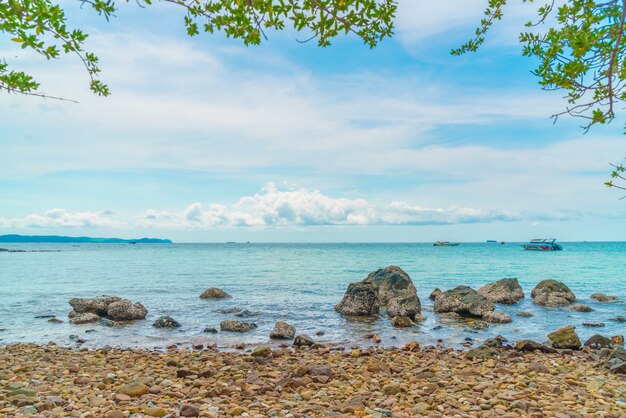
297 283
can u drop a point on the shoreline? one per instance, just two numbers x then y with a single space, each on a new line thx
49 380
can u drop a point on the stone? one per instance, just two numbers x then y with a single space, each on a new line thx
524 314
303 341
507 291
478 325
495 342
579 307
552 293
593 324
528 345
601 297
319 370
565 337
98 306
483 352
261 351
125 310
408 306
237 326
189 411
463 300
402 322
134 389
155 412
246 314
433 295
597 341
55 321
85 318
283 331
361 299
391 282
214 293
497 318
166 322
619 319
210 330
115 414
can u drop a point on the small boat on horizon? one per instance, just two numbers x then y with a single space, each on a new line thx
445 244
542 244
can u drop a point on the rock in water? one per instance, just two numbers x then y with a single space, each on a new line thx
283 331
360 299
524 314
497 318
565 338
601 297
166 322
237 326
434 294
506 291
214 293
391 282
483 352
402 322
552 293
98 306
303 341
579 307
125 310
463 300
408 306
85 318
528 345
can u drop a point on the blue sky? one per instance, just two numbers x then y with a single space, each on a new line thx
204 139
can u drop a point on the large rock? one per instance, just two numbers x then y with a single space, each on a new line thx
98 306
506 291
597 341
552 293
408 306
283 331
497 317
391 282
125 310
85 318
402 322
601 297
360 299
565 338
214 293
237 326
434 294
529 345
463 300
166 322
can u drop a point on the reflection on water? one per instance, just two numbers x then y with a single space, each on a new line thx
296 283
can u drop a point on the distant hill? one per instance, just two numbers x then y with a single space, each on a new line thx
61 239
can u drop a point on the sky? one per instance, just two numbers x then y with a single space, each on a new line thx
206 140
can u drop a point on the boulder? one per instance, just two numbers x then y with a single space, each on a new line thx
552 293
303 341
408 306
478 325
214 293
283 331
598 341
579 307
497 318
166 322
434 294
463 300
85 318
495 342
601 297
361 299
524 314
565 337
483 352
98 306
402 322
237 326
134 388
507 291
391 282
261 351
528 345
125 310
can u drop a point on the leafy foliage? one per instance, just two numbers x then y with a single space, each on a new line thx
581 50
618 177
41 25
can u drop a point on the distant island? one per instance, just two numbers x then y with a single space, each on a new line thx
61 239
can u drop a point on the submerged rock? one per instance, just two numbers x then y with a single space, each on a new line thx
214 293
361 299
524 314
552 293
283 331
565 337
166 322
125 310
593 324
85 318
210 330
478 325
579 307
507 291
497 318
237 326
402 322
601 297
463 300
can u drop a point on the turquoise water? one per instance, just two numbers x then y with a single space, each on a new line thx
297 283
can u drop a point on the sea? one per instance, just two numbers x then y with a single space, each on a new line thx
295 283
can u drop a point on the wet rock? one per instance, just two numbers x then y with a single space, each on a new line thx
579 307
214 293
597 341
237 326
246 314
229 310
478 325
507 291
391 282
55 321
463 300
601 297
125 310
434 294
85 318
361 299
402 322
593 324
303 341
552 293
404 306
565 337
98 306
283 331
497 318
210 330
619 319
155 412
528 345
166 322
524 314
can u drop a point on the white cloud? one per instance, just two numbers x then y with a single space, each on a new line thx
61 218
